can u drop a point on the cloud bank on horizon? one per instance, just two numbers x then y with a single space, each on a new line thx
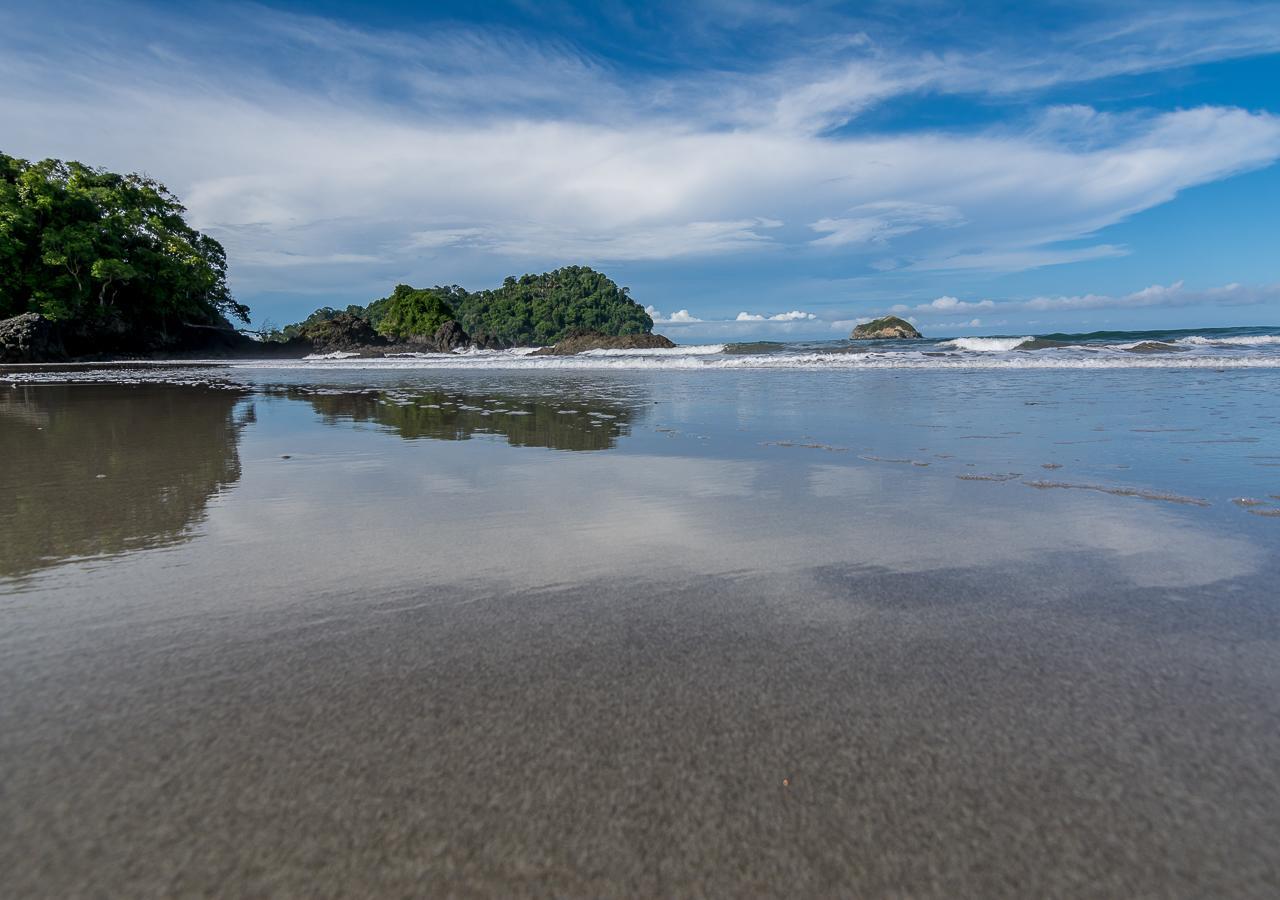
761 168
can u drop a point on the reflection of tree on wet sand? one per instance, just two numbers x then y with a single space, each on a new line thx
103 469
578 424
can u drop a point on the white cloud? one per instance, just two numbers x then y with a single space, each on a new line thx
1172 295
953 323
794 315
876 223
1019 259
944 304
1156 295
500 153
816 91
434 238
679 317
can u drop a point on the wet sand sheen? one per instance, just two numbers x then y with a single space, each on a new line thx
434 650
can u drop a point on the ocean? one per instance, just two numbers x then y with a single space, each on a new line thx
980 616
1205 347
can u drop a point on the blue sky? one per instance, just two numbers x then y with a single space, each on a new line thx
748 168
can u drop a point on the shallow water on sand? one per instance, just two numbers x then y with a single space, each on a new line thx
936 632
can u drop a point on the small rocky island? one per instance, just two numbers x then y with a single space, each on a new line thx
566 311
885 328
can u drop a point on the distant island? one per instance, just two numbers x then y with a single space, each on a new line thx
885 328
94 264
573 305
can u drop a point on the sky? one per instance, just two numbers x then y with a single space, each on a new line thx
749 168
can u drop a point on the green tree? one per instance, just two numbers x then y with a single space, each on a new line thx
408 312
531 309
541 309
88 246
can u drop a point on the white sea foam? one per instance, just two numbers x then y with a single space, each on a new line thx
981 353
336 354
1247 340
985 344
691 350
812 361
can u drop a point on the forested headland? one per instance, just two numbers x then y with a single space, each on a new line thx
110 258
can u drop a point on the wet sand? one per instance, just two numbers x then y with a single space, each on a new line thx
436 655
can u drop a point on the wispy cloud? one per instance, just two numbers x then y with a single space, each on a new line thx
944 305
1157 295
1170 296
370 155
878 222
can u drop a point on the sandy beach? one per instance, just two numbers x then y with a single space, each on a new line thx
685 646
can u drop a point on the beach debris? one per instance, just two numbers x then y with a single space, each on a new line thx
1249 501
974 476
1051 465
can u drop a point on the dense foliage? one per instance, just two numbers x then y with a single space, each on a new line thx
541 309
408 312
532 309
91 247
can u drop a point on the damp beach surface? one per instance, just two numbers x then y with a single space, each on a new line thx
279 631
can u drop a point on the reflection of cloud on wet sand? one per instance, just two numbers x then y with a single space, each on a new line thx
551 519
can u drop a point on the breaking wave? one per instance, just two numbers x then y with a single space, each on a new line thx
986 344
1220 348
1235 348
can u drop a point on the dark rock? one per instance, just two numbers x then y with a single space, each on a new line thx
447 338
450 337
30 338
344 332
886 328
581 341
482 340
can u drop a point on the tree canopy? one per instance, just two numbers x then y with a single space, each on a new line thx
541 309
408 312
532 309
84 245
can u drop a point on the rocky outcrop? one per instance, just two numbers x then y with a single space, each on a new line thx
30 338
582 341
886 328
344 332
450 337
446 339
483 340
